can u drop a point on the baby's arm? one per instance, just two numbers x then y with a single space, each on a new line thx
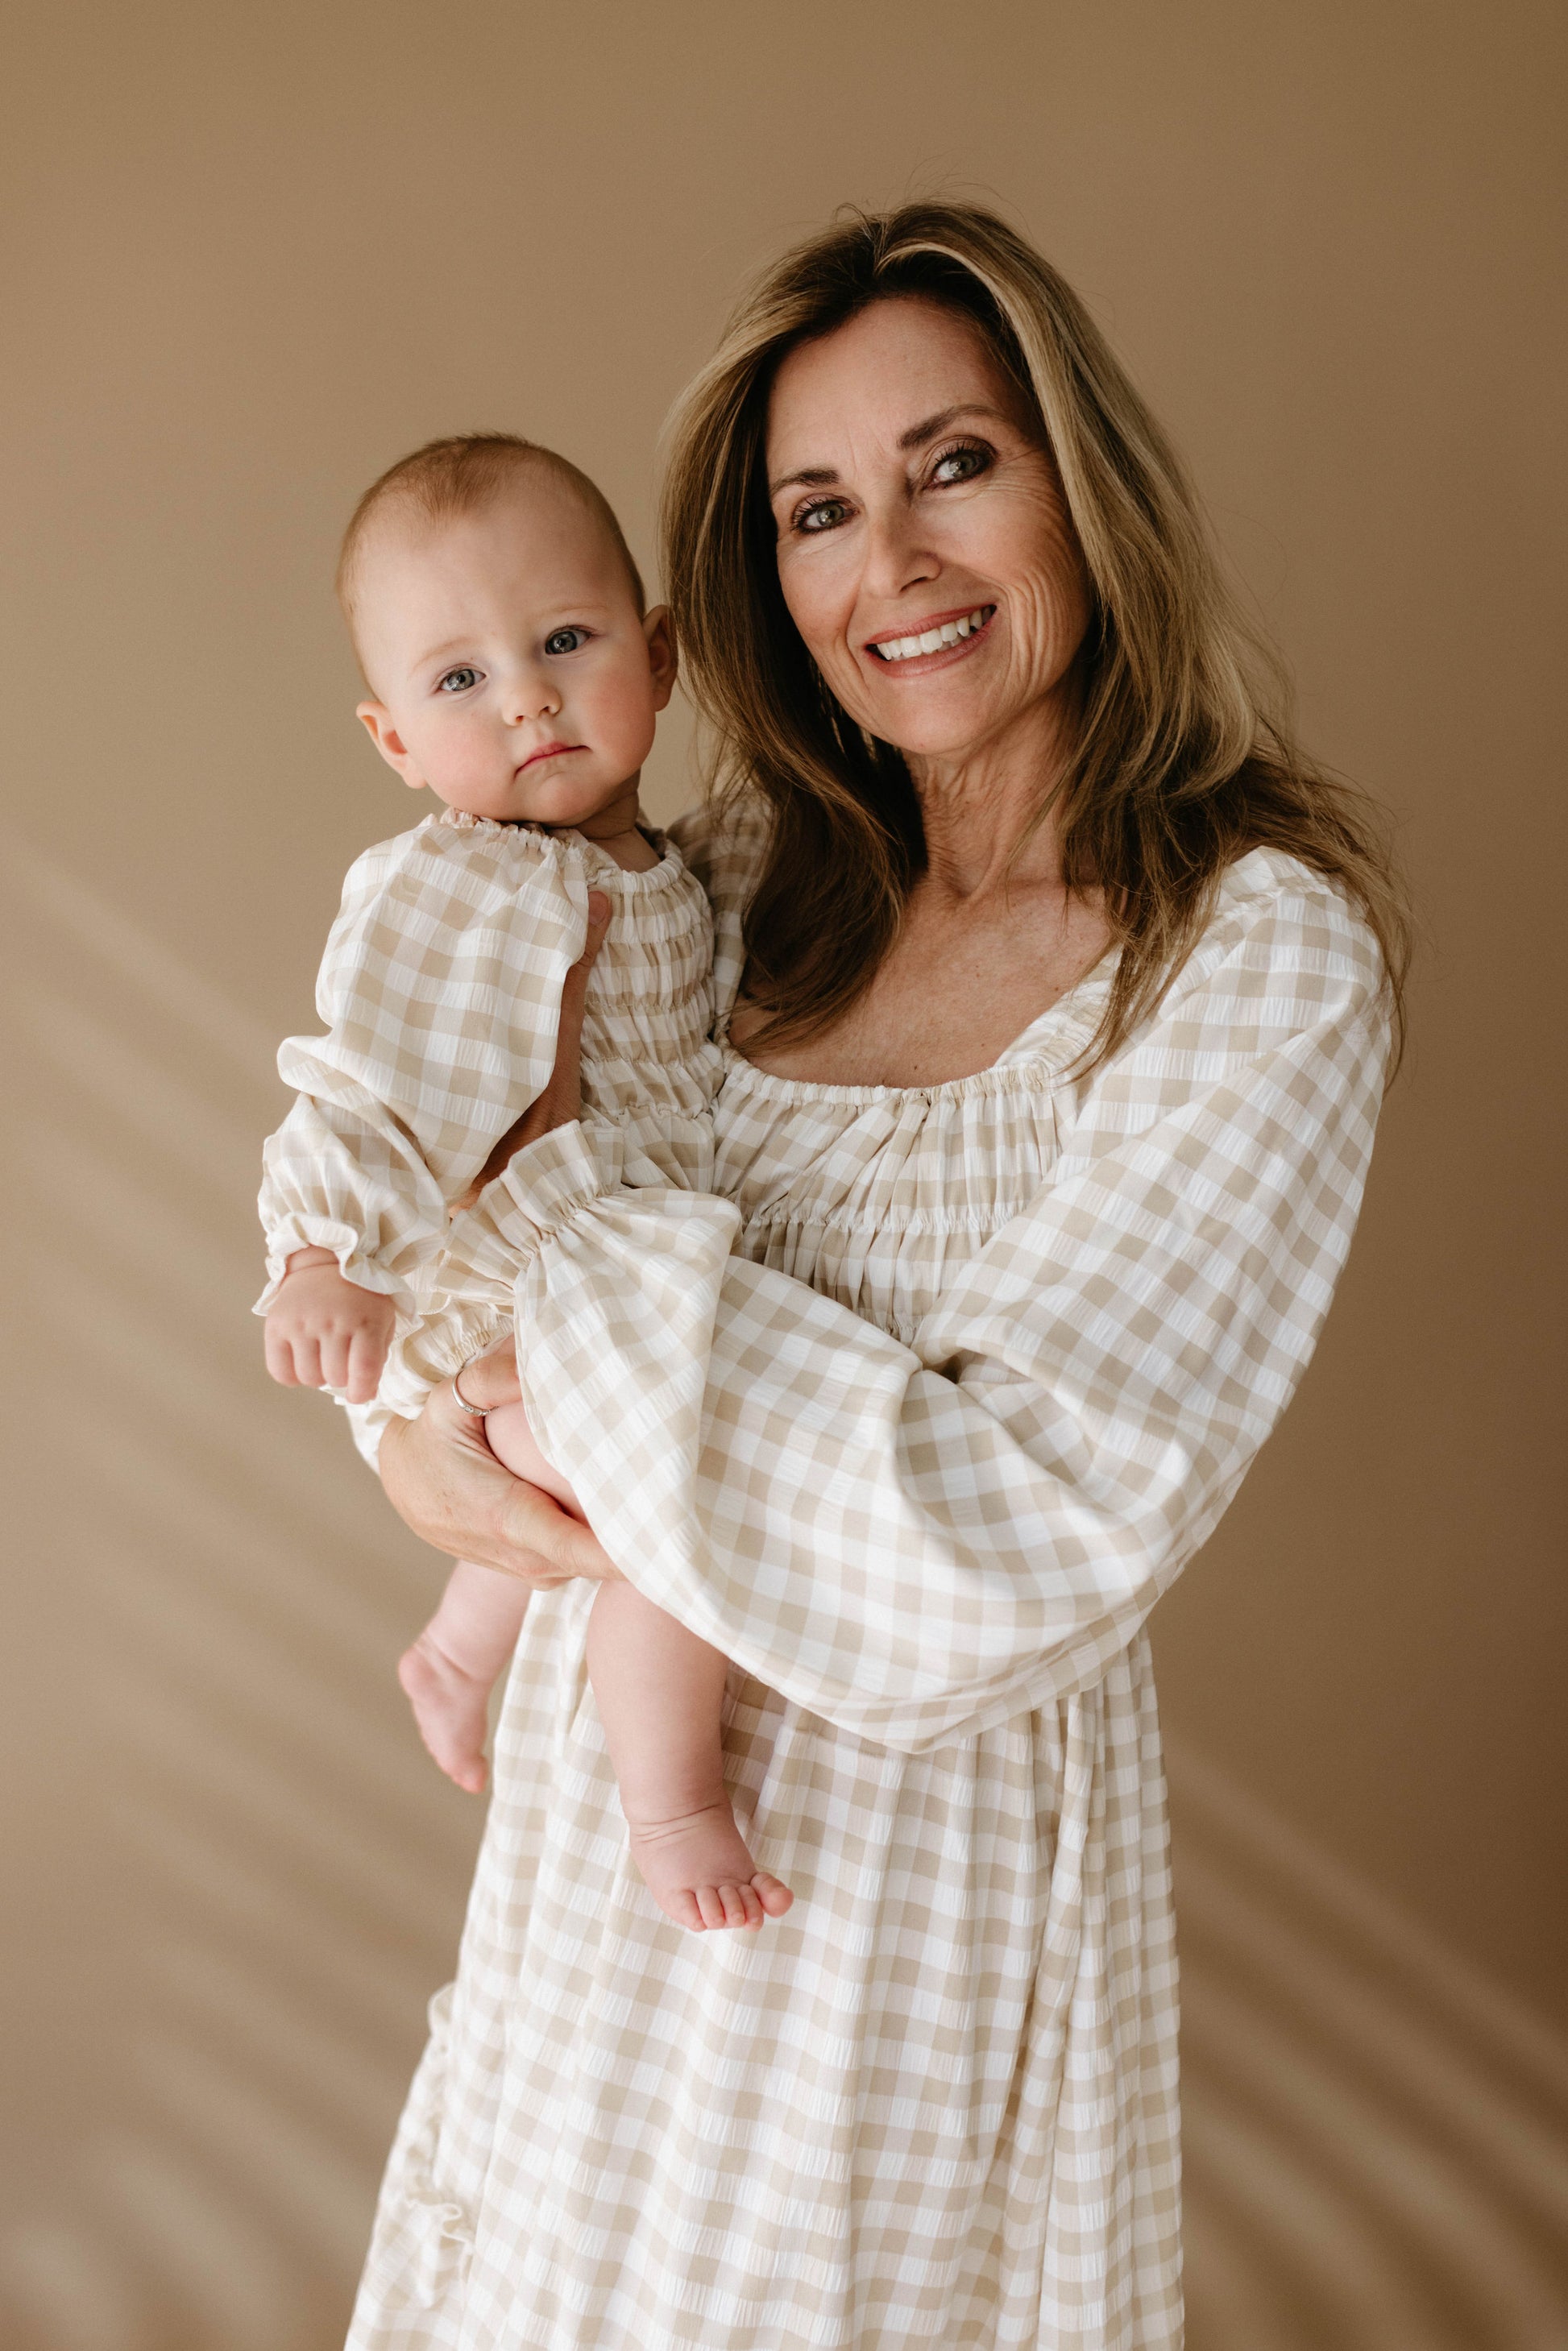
325 1332
439 989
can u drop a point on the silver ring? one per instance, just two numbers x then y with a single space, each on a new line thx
476 1411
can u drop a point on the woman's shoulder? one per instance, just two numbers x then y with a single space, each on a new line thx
1284 909
1285 948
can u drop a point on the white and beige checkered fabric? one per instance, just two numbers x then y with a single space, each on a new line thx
914 1418
441 990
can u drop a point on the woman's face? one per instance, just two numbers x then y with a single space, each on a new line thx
924 548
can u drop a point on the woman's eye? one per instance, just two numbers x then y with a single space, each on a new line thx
824 514
960 465
458 681
565 640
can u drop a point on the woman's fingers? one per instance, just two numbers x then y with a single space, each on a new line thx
535 1524
445 1481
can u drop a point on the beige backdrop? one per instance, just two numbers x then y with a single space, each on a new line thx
254 254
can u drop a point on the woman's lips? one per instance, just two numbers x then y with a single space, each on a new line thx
940 639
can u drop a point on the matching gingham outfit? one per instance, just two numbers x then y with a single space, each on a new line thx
913 1416
441 989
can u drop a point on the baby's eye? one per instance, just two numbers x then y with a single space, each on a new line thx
822 514
565 640
960 465
458 681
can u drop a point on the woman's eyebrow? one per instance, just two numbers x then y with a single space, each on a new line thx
918 434
812 475
820 476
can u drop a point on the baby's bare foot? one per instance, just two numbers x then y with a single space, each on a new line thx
450 1705
698 1871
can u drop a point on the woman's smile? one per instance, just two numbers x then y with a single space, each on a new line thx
911 489
935 643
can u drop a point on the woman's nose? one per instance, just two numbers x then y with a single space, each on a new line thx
898 556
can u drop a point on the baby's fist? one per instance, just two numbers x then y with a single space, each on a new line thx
324 1331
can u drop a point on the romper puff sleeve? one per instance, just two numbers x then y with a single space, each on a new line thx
920 1541
440 990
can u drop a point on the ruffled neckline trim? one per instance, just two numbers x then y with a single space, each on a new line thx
1039 1055
566 846
1047 1051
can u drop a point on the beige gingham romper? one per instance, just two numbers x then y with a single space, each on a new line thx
441 989
914 1416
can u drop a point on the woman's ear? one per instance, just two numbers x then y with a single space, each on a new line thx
659 629
376 720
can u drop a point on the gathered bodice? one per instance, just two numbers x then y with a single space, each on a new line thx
912 1412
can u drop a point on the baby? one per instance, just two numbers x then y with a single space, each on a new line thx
515 672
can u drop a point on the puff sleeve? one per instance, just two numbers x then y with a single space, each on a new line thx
439 994
919 1541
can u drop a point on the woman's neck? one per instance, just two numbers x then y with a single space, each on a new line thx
980 813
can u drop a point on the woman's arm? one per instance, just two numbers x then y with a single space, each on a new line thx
918 1542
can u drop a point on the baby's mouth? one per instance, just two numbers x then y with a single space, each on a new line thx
937 639
550 751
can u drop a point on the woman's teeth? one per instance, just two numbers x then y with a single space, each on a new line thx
934 640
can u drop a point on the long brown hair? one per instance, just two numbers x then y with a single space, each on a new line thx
1185 758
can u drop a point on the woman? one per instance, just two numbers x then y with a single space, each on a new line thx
1056 991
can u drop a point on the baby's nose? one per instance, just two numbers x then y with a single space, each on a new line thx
532 699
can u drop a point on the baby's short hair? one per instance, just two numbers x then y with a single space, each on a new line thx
462 474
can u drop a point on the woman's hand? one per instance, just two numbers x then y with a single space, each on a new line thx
442 1476
445 1482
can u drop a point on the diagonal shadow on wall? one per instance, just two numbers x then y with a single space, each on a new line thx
237 1878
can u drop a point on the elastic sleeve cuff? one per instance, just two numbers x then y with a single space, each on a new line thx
544 1187
348 1246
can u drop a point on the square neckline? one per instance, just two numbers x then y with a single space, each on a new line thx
1070 1011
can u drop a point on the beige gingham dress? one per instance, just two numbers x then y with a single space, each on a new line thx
914 1418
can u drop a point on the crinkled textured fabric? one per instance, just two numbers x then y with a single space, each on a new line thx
441 989
914 1417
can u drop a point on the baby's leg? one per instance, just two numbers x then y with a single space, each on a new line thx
660 1690
450 1671
511 1440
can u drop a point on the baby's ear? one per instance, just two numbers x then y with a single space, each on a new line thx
659 628
376 720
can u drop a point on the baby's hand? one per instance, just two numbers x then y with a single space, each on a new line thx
323 1332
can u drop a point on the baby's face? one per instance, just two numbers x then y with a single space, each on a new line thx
512 673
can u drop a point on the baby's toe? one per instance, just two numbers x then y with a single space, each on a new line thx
710 1902
683 1908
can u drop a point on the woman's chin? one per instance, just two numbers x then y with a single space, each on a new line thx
937 736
